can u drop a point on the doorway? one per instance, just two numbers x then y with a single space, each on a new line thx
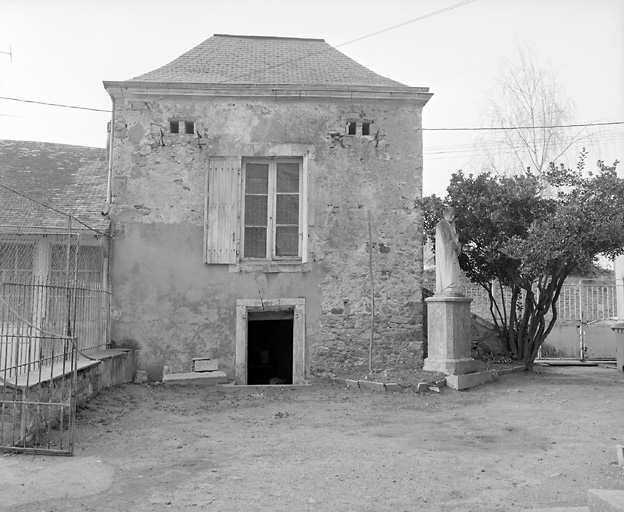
270 341
270 347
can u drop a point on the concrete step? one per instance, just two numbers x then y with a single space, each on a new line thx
605 500
205 378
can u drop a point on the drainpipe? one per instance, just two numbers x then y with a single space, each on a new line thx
111 137
619 274
618 328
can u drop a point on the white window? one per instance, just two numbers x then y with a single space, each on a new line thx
271 209
255 210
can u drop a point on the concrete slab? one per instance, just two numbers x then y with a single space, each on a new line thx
393 386
605 500
207 378
469 380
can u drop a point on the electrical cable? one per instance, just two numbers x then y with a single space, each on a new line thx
54 104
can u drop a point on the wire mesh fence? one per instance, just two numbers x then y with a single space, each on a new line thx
54 306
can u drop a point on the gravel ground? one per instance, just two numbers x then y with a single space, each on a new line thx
527 440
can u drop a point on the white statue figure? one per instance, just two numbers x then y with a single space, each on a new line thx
447 250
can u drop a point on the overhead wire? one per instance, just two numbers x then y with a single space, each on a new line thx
372 34
54 104
465 129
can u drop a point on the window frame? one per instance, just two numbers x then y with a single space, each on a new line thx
271 225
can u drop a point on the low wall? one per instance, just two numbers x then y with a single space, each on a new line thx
36 410
116 366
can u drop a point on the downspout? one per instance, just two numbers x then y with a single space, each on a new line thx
111 137
619 274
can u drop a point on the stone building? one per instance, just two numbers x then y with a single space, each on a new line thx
244 177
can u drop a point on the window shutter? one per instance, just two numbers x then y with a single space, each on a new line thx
221 235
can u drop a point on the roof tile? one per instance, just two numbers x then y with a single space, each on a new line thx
266 60
68 179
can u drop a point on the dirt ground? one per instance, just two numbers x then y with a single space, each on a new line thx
527 440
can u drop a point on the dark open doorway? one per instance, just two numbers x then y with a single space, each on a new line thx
270 347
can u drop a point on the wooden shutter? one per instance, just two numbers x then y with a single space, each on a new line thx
221 235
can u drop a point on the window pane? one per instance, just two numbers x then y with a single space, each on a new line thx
256 210
7 257
25 257
287 209
287 241
255 242
256 178
90 258
288 177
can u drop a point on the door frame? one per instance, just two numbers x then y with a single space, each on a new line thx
243 307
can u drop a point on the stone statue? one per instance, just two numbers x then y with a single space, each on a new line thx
447 249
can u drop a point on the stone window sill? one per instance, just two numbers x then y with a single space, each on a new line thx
270 267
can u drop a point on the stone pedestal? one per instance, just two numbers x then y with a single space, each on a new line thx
618 331
448 334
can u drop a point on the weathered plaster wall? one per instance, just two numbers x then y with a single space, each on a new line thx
174 307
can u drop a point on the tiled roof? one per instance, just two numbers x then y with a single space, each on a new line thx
69 179
226 59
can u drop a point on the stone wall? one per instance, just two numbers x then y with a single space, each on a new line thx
172 307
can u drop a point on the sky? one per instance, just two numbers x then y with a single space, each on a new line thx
62 50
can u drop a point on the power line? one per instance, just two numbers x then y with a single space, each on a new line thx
431 14
54 104
312 54
502 128
463 129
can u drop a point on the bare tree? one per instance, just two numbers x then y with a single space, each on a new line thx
530 108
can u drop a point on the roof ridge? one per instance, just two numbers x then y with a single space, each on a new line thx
287 38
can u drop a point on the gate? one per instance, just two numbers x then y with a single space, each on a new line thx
38 374
583 329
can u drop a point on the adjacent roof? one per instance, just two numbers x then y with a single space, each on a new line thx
40 183
227 59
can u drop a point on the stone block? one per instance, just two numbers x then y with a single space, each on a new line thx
372 386
422 387
440 383
504 371
205 364
605 500
352 383
620 454
450 366
469 380
393 386
140 377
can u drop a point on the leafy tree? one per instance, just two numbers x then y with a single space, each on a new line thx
517 236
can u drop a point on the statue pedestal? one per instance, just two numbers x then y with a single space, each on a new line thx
448 334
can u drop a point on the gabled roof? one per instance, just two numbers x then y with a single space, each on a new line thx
255 60
68 179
